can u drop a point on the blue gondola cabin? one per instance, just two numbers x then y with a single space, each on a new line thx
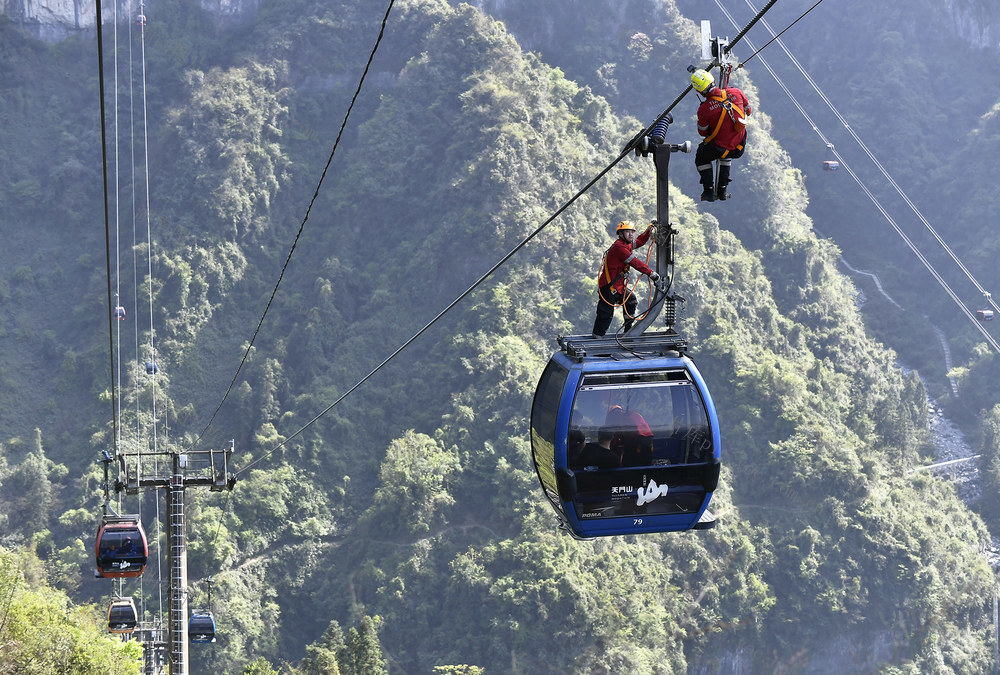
201 627
984 314
653 414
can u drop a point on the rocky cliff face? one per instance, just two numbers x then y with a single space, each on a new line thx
976 21
54 20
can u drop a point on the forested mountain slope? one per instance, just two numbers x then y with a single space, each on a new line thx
410 513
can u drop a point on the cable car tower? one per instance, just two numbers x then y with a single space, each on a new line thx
180 470
641 399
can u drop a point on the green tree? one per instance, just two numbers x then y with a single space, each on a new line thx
259 666
321 658
42 631
362 653
229 133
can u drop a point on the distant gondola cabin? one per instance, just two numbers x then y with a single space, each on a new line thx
122 616
984 314
201 627
120 313
830 162
152 368
121 548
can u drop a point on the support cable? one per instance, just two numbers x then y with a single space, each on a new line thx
802 16
136 373
149 235
118 275
628 148
149 272
135 240
447 309
336 143
913 247
107 223
881 168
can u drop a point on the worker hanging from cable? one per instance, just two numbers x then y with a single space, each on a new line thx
722 120
611 279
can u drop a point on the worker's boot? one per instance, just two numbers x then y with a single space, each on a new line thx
708 184
720 189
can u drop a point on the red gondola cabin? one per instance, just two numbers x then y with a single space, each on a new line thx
121 548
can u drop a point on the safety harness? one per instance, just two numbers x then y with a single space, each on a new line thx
605 274
735 113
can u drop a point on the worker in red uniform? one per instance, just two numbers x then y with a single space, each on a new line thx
722 121
618 260
632 442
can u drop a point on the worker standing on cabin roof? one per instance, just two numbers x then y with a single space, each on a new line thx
722 121
611 279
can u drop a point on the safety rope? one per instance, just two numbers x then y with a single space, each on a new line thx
630 290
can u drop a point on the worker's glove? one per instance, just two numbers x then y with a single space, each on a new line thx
654 277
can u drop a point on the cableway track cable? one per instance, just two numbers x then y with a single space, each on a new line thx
881 168
107 221
775 36
625 152
113 275
878 205
150 298
118 276
312 201
149 232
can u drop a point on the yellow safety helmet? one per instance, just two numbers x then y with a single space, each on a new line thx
625 225
702 80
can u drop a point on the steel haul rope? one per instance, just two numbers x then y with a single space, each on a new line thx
628 149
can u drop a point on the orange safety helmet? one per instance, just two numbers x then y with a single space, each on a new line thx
625 225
